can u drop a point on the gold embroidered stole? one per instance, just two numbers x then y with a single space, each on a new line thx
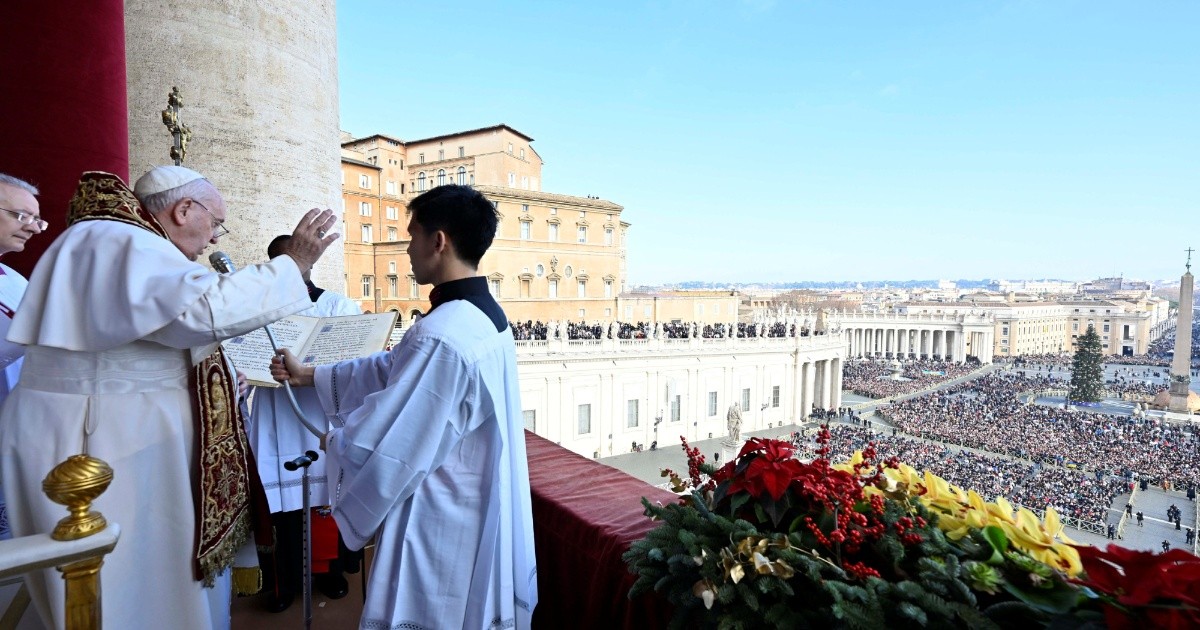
223 485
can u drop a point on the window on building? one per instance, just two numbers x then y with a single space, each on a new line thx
775 396
539 270
510 148
366 233
392 283
522 154
631 413
364 181
582 286
462 152
608 236
712 403
414 289
568 271
1004 331
462 175
584 415
554 288
553 233
525 230
391 187
512 180
582 234
525 288
608 312
1106 328
494 287
441 154
582 313
393 235
421 181
676 404
391 213
553 210
368 284
421 158
441 177
364 208
608 288
525 182
746 399
530 417
391 266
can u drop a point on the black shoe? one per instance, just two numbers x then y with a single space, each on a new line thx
278 603
331 586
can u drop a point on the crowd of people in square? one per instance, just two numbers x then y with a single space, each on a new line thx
989 414
870 378
1071 492
541 331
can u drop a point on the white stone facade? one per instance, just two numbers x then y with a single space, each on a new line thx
260 89
950 337
600 397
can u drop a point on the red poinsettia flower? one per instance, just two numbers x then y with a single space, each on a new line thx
1161 588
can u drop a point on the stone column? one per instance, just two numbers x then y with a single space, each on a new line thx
809 377
259 82
837 383
948 344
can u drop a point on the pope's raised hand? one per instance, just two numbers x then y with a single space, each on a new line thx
311 238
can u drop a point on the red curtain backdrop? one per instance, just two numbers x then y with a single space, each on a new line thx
63 109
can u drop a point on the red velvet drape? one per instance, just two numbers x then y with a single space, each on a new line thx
63 103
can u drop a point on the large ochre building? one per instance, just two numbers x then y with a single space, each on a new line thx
556 257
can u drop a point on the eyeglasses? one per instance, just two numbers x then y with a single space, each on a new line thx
219 228
24 218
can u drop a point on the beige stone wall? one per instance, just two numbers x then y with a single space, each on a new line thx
259 83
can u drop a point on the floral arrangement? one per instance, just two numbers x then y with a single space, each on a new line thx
770 540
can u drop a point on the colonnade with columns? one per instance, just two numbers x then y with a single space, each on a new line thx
892 335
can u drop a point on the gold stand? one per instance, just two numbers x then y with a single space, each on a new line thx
75 483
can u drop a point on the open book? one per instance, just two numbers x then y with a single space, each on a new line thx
314 340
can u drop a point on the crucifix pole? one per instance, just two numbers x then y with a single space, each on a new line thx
1189 260
179 131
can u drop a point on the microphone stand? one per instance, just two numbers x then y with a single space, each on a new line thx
303 462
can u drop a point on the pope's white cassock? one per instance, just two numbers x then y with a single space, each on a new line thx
431 461
12 287
277 436
114 319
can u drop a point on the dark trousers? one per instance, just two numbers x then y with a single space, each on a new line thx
283 569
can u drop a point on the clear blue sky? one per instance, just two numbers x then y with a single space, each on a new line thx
776 141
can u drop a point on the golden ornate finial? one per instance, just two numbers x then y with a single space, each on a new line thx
75 483
179 131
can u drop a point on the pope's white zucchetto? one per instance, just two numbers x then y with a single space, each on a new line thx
162 178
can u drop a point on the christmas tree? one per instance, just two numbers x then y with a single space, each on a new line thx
1087 369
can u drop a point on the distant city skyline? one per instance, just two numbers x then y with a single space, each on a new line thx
775 142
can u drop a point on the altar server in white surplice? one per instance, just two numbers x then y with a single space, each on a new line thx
20 220
427 453
121 327
277 436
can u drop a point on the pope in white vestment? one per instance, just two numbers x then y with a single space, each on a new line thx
114 319
428 457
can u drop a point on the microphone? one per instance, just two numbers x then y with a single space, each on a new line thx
221 262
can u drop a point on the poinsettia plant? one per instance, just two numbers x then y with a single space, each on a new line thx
1140 589
771 540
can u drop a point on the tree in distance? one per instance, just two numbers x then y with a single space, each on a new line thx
1087 369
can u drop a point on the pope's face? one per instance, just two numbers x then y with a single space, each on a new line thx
13 233
203 224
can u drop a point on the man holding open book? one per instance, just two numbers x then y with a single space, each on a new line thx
277 436
427 452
